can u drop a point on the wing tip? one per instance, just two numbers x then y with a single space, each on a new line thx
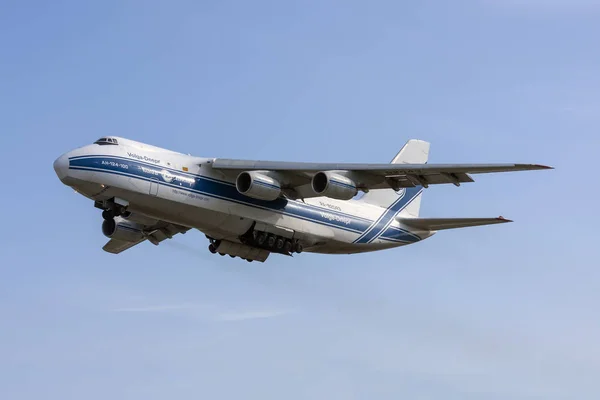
541 166
502 219
533 166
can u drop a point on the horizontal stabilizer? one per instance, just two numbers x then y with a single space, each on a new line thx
438 224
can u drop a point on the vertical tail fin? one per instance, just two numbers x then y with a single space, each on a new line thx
413 152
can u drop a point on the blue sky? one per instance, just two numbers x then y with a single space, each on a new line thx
484 313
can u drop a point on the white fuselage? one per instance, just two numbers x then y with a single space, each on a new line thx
187 191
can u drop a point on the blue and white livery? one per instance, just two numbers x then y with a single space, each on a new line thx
250 209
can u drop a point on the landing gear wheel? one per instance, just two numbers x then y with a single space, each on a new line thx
271 241
279 243
108 214
248 260
212 248
287 246
260 240
221 254
231 256
298 248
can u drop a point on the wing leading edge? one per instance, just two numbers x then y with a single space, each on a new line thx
381 169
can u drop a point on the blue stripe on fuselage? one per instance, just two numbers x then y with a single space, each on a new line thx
193 175
218 189
387 217
383 214
410 196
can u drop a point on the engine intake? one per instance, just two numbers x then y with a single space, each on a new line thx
258 185
334 185
121 229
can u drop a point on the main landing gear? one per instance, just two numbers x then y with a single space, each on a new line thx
264 242
214 245
273 243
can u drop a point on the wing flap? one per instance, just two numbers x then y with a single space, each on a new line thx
438 224
411 180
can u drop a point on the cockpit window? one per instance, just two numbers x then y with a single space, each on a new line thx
105 141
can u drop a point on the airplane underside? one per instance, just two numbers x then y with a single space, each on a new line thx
227 234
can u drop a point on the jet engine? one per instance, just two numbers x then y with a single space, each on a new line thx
334 185
119 228
258 185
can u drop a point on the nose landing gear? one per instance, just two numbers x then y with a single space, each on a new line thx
111 208
212 248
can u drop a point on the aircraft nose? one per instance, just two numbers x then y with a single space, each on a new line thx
61 166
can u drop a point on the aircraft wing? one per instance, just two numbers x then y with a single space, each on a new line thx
154 234
373 176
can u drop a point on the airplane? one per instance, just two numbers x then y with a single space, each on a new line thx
250 209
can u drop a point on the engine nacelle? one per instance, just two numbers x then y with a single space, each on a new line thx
121 229
258 185
334 185
139 218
